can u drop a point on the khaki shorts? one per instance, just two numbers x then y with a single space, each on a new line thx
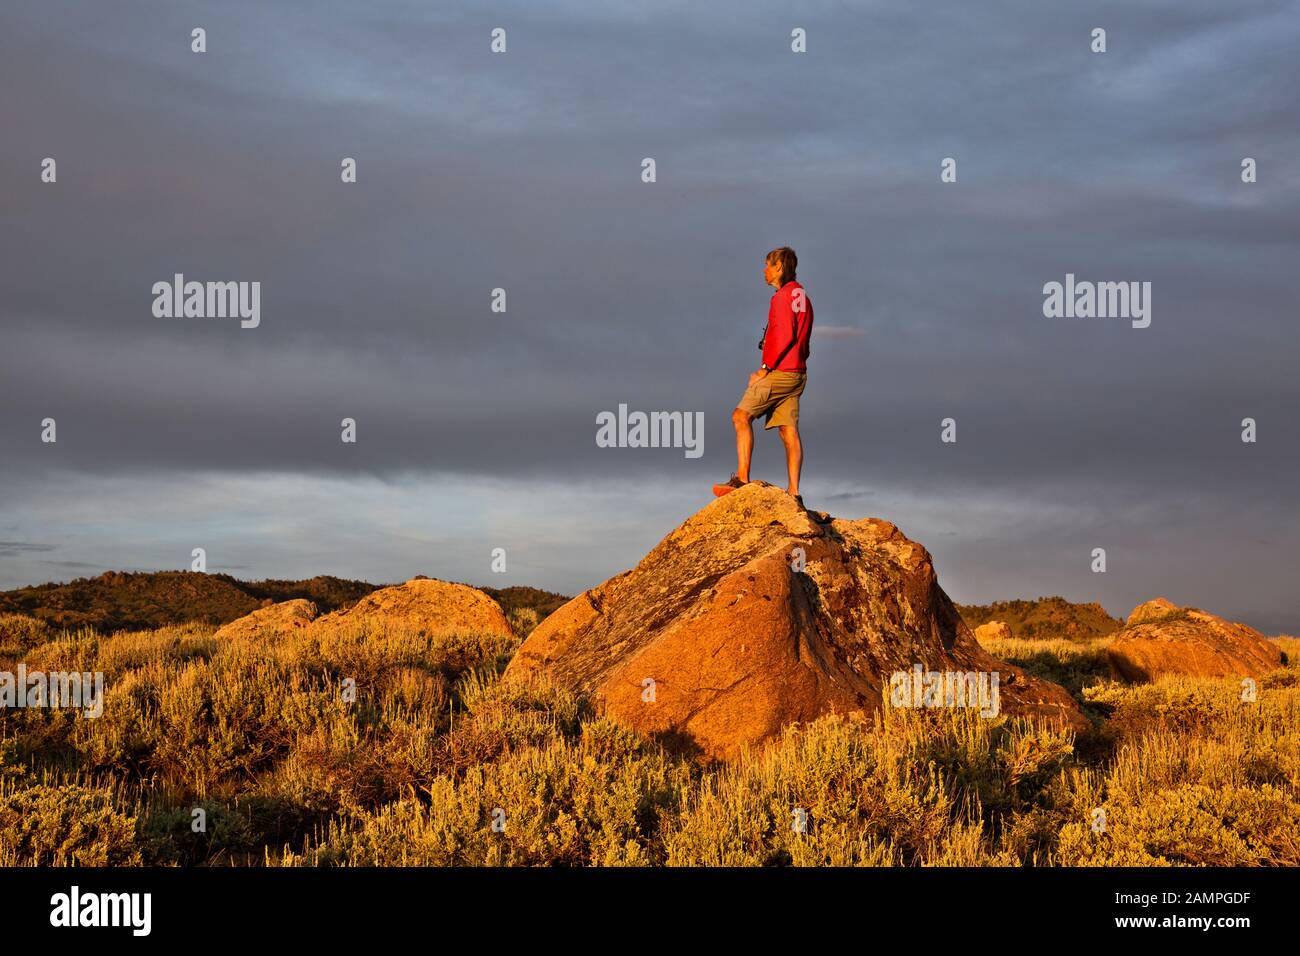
775 395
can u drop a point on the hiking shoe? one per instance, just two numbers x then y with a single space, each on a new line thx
734 482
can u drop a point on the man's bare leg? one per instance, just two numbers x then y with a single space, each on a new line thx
744 443
793 454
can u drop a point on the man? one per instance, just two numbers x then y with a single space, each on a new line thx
775 387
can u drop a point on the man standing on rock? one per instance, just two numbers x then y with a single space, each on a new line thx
775 387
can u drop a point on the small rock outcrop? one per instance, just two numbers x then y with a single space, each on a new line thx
1152 610
755 614
994 631
1162 638
437 608
283 618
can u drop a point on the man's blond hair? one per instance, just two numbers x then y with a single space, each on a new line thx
788 261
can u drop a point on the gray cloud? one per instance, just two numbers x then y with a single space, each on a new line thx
12 549
522 171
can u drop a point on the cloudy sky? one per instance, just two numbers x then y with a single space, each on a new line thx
522 170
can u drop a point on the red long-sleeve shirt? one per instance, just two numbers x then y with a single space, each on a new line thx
789 317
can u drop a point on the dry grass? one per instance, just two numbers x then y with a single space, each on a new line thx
434 750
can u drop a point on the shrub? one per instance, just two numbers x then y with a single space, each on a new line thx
19 633
65 826
256 731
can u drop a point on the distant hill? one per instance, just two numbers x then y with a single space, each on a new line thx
543 602
119 600
1044 619
328 593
